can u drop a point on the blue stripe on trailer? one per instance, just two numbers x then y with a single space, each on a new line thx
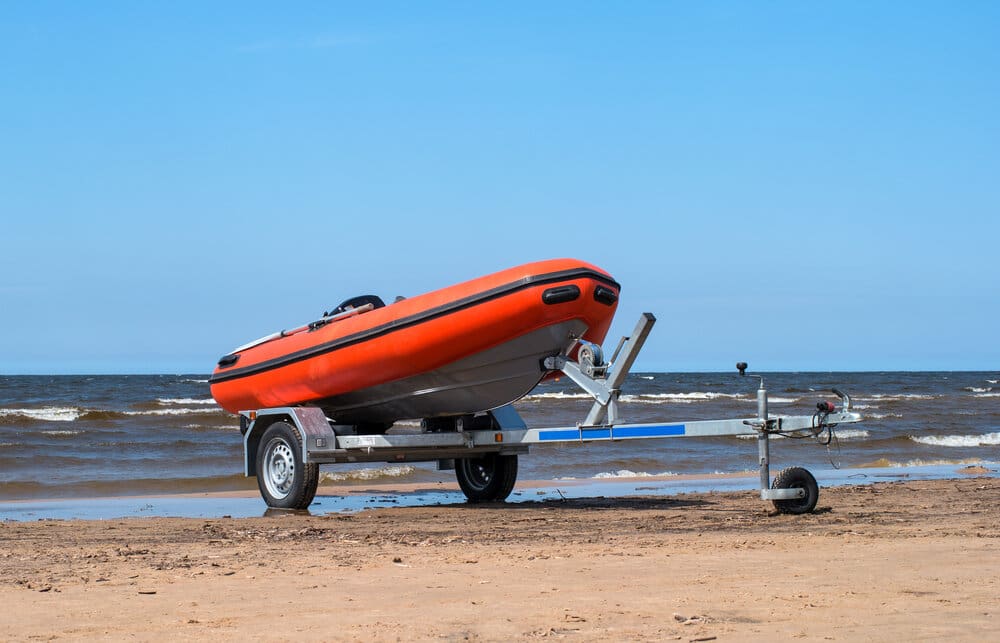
661 431
574 434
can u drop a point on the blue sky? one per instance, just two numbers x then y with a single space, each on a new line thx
796 185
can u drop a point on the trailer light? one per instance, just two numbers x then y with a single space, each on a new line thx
253 416
498 437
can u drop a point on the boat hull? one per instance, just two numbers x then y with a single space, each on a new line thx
463 349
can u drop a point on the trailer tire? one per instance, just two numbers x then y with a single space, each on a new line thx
490 478
285 482
796 478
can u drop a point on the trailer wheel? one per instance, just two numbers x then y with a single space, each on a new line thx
487 479
796 478
284 481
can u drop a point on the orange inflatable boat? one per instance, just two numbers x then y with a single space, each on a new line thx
463 349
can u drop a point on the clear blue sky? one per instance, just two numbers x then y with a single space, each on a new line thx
803 186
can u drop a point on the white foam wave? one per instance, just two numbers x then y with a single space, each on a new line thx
988 439
976 389
184 400
61 433
646 377
992 381
782 400
4 445
645 398
393 471
676 398
556 396
882 416
196 381
850 434
173 412
48 413
883 462
625 473
986 395
897 397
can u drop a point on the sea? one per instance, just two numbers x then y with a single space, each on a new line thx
65 436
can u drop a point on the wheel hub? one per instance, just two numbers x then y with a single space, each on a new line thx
279 468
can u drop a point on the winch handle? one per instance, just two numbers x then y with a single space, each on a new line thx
845 398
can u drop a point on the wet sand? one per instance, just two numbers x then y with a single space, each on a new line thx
916 560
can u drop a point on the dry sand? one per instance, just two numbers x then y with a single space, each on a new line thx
887 562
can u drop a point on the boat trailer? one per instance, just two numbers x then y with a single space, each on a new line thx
283 447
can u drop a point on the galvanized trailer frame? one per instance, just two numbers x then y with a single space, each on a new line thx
284 446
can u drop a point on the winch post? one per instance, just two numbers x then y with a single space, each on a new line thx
619 371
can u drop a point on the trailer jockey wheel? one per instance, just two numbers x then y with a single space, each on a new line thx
796 478
487 479
284 481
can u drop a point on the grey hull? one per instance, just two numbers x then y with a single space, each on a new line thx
486 380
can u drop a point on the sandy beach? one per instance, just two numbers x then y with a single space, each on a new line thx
914 560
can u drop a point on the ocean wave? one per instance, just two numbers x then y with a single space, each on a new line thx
184 400
986 395
897 397
887 463
782 400
882 416
196 381
992 381
851 434
645 398
625 473
391 471
61 434
45 414
676 398
646 377
976 389
174 412
988 439
556 396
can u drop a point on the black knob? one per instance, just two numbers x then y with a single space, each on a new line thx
742 368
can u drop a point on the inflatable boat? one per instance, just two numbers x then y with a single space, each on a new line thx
460 350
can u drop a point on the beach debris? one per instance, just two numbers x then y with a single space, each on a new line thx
147 592
975 470
554 631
